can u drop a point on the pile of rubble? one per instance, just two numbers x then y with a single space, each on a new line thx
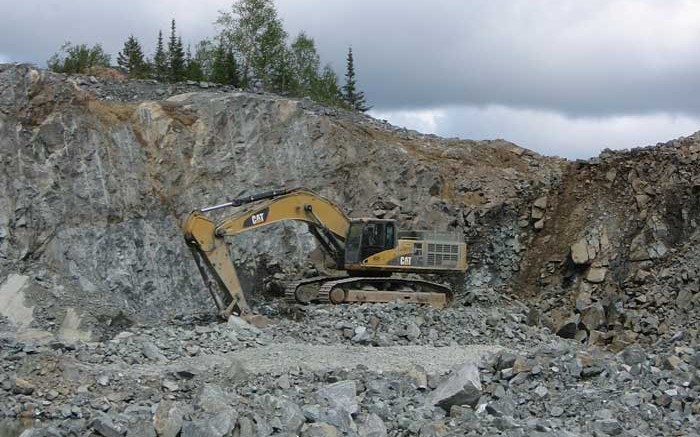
616 256
221 378
114 90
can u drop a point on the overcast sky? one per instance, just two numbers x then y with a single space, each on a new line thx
562 77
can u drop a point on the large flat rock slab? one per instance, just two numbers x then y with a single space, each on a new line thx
12 304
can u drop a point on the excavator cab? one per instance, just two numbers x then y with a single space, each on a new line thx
367 237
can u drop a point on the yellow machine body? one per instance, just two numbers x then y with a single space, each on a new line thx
369 247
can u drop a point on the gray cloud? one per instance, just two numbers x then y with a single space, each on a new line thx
549 133
584 58
31 31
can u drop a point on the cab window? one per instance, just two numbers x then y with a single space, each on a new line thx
352 243
373 235
389 241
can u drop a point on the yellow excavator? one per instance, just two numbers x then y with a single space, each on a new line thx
369 250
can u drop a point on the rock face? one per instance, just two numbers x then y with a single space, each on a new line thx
93 189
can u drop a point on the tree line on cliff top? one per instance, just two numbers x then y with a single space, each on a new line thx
250 51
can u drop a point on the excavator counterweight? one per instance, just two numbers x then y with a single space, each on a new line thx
369 250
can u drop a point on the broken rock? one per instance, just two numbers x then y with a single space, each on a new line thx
168 419
340 395
23 387
593 317
596 275
462 387
152 352
568 327
107 428
541 202
211 399
372 426
216 425
579 252
320 430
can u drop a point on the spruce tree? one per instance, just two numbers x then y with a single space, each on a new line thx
354 98
176 55
224 67
193 69
160 60
131 59
325 88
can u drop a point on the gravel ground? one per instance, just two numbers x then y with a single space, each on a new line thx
366 370
278 358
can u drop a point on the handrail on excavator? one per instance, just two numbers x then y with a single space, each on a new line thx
250 199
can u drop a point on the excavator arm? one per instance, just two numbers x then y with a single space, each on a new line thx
326 221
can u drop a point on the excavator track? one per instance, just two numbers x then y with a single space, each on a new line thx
368 290
306 290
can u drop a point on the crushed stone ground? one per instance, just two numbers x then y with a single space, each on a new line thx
279 358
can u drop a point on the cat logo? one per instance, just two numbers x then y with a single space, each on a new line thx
257 218
405 260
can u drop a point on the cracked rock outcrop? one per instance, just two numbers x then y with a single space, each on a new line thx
94 187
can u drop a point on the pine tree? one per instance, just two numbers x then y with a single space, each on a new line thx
224 67
325 88
131 59
160 60
354 98
193 69
176 55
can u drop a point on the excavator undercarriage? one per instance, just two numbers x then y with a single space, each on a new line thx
368 250
351 289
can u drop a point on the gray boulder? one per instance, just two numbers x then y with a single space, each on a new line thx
167 419
282 414
340 395
372 426
211 425
462 387
320 430
105 427
211 399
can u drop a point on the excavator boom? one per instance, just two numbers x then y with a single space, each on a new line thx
206 238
